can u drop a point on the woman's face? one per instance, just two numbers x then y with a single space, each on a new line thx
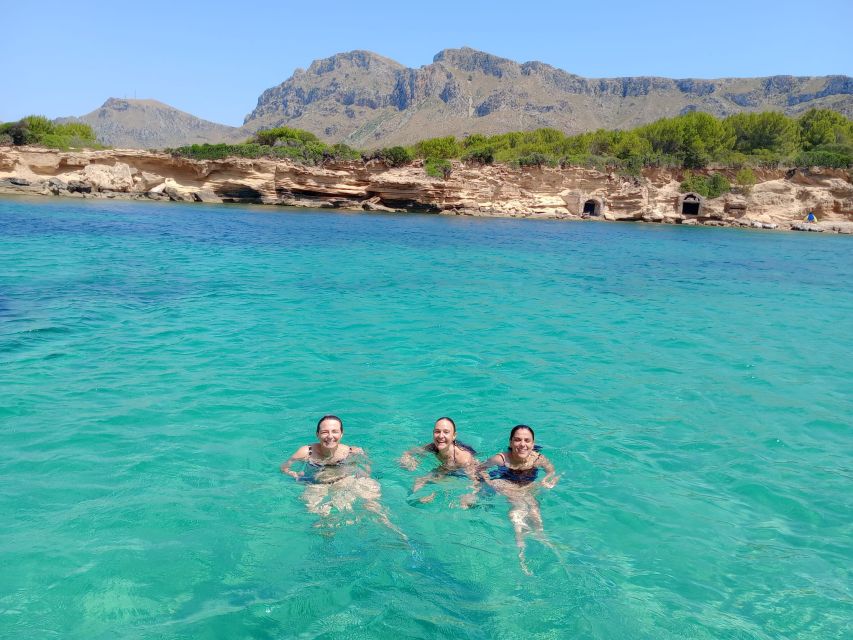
443 434
521 443
330 433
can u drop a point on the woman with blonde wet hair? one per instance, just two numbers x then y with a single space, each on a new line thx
516 478
336 474
455 459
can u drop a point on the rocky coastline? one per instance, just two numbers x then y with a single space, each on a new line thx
780 199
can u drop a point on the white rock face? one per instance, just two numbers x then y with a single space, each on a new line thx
117 177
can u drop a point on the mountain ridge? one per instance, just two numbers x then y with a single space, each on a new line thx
467 91
367 100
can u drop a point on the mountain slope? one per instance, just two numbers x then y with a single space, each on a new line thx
149 124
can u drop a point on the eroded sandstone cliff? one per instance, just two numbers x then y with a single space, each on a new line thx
781 199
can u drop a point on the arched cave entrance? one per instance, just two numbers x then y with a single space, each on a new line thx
592 207
691 204
236 192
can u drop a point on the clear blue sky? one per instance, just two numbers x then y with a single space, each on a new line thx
213 59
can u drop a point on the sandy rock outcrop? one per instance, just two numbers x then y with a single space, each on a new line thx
779 200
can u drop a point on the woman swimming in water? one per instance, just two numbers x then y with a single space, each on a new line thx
455 458
516 478
336 474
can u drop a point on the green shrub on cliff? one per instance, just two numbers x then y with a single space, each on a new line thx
759 133
39 130
219 151
311 152
269 137
745 179
482 155
438 167
339 152
390 156
536 159
695 138
281 142
836 156
819 127
446 147
708 186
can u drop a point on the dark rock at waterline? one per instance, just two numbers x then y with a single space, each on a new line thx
75 186
206 195
802 226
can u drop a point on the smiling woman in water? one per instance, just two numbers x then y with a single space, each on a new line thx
454 457
516 479
336 474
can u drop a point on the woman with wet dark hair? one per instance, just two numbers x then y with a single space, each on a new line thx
455 459
336 474
515 476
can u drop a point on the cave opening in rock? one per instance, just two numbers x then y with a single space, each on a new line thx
592 208
690 205
231 192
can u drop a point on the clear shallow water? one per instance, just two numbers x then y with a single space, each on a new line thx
157 363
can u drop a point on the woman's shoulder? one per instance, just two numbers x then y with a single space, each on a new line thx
498 458
464 456
302 452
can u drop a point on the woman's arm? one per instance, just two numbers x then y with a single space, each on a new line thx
408 459
302 453
470 467
483 469
551 477
364 461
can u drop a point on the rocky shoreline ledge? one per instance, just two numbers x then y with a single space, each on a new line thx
779 200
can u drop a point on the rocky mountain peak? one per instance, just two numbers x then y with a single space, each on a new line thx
134 122
470 60
358 59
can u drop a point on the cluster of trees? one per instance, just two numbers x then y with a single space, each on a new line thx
695 140
692 141
281 142
39 130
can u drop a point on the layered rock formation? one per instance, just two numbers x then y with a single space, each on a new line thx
779 200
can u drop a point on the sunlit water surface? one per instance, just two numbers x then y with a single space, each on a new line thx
158 362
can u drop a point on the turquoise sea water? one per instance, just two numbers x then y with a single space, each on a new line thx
158 362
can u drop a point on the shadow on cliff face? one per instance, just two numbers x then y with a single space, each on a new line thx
235 192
